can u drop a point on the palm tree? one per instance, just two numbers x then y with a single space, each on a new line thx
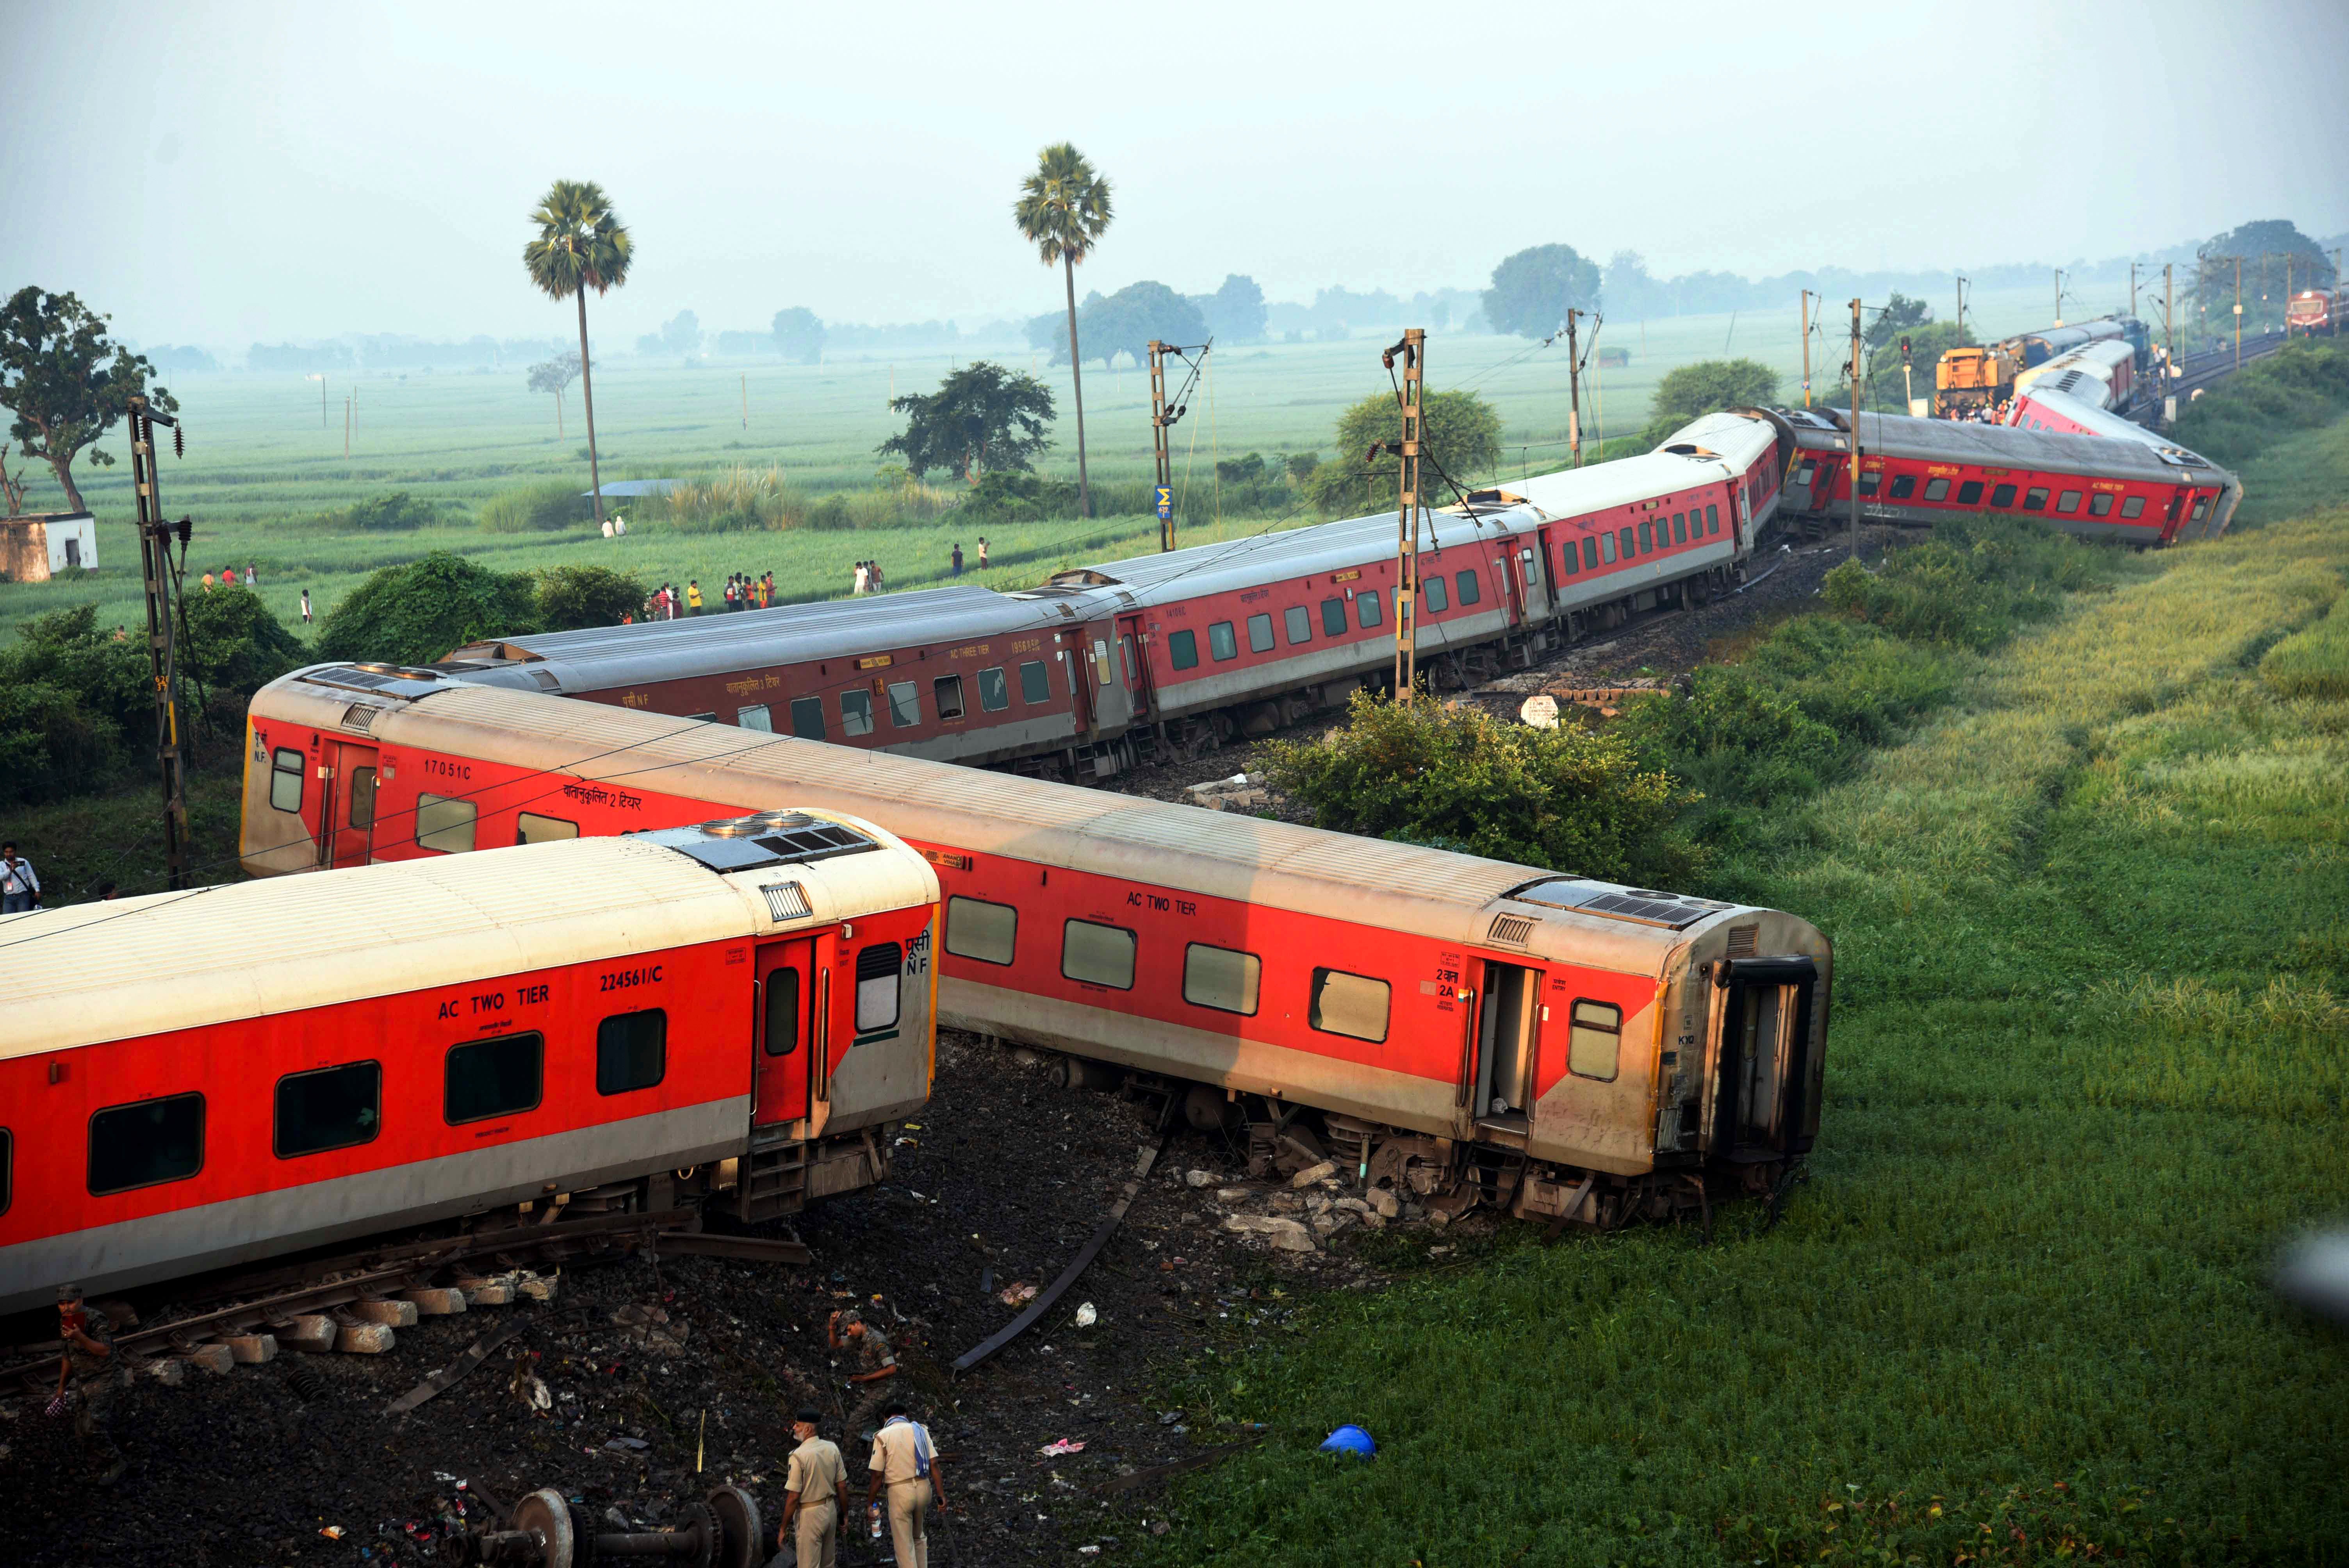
581 246
1063 208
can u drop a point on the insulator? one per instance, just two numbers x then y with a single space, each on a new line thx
179 442
186 529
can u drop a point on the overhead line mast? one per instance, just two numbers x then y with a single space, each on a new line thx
162 624
1162 418
1409 390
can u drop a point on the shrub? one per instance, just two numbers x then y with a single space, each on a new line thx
1968 585
386 513
570 597
235 646
1005 496
416 614
1567 799
50 746
544 507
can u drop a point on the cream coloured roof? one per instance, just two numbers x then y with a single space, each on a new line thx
94 972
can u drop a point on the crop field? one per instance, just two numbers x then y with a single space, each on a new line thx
264 466
2087 1072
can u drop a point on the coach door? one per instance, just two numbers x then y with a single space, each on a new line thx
1508 1027
347 797
1131 655
784 1042
1762 1060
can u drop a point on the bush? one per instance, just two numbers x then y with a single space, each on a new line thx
1463 440
571 597
50 746
1969 585
235 646
1457 778
1005 496
69 693
386 513
544 507
416 614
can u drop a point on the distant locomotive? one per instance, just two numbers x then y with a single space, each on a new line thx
2313 311
730 1013
1465 1029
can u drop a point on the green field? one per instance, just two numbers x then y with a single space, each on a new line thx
261 466
2088 1069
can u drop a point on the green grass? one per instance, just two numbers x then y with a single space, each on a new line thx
2088 1068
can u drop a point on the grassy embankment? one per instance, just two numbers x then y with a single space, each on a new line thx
2087 1070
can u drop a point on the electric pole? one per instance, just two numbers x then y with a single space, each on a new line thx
1413 351
2059 296
1855 430
1962 282
746 399
162 645
1807 346
2239 313
346 429
1165 461
2334 310
2132 291
1573 392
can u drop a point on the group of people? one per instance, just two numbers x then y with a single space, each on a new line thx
903 1463
228 577
1981 413
954 562
743 591
867 578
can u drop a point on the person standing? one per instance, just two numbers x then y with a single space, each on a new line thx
905 1461
848 1330
208 581
725 596
876 576
957 572
858 589
982 553
88 1364
20 889
693 595
252 574
815 1477
306 606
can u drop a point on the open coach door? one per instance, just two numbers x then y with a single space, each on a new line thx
1765 1106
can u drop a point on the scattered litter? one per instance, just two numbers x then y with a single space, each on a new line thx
1087 1316
332 1533
631 1444
1087 1550
443 1475
1063 1446
1168 1418
1018 1294
1351 1439
1200 1178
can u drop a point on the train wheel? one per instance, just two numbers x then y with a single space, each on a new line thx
546 1515
742 1536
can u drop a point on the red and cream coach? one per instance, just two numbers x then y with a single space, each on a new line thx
1462 1025
731 1013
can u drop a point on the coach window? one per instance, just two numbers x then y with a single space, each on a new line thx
1351 1005
2003 497
1182 647
2100 504
482 1078
362 813
1867 483
2133 506
1803 474
1220 978
1299 624
1970 493
1367 608
1903 486
856 713
444 824
632 1050
2068 503
807 717
1434 592
1260 633
755 716
530 828
878 969
1712 519
1596 1040
1470 592
1097 954
145 1143
333 1108
1333 617
1606 547
1648 537
285 770
2201 509
2035 499
1679 527
1629 542
947 692
1221 642
781 1037
1036 681
905 704
1590 549
1937 490
993 691
977 929
1569 559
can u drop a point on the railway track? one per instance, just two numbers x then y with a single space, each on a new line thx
356 1301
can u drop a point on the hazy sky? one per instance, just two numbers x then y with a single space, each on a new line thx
219 174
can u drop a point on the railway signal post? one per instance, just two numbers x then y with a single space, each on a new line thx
162 624
1413 353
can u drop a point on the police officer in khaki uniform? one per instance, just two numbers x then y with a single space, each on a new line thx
812 1488
905 1461
89 1362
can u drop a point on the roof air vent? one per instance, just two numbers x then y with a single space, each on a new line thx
1742 940
1512 929
360 716
786 901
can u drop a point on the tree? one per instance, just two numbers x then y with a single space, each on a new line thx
1128 319
554 375
581 244
1064 209
799 335
415 614
1533 290
1234 312
982 417
571 597
1459 431
1901 316
1705 388
1629 290
66 381
681 336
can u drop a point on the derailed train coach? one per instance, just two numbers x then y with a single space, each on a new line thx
1463 1030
